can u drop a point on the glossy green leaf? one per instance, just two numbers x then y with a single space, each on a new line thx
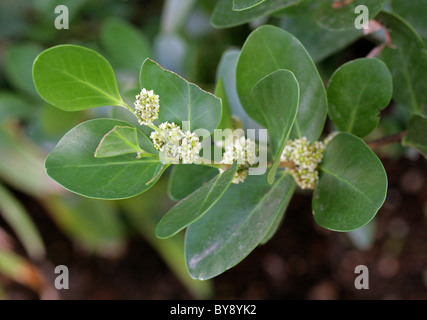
269 49
18 61
20 221
226 118
75 78
239 5
414 12
319 41
120 140
73 165
181 100
357 92
276 97
125 44
237 223
186 178
406 58
224 16
417 134
227 73
343 17
193 207
352 185
279 218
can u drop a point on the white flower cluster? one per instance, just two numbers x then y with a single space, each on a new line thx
146 107
305 156
241 150
176 143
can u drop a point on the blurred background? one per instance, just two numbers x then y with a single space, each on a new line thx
109 247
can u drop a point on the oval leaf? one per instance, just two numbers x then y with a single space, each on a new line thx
186 178
239 5
237 223
406 58
73 165
352 185
414 12
195 205
181 100
269 49
75 78
342 16
319 41
357 92
225 17
277 97
120 140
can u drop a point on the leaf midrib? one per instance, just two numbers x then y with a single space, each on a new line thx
346 182
70 75
255 209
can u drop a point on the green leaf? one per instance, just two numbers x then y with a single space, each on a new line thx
18 61
73 165
414 12
319 41
357 92
75 78
181 100
224 16
227 73
193 207
226 119
125 44
352 185
417 134
279 218
120 140
406 58
343 17
186 178
237 223
269 49
276 98
239 5
20 221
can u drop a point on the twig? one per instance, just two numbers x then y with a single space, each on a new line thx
341 3
395 138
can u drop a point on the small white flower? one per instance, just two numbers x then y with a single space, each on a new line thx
240 176
241 150
306 157
146 107
176 143
168 136
190 147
